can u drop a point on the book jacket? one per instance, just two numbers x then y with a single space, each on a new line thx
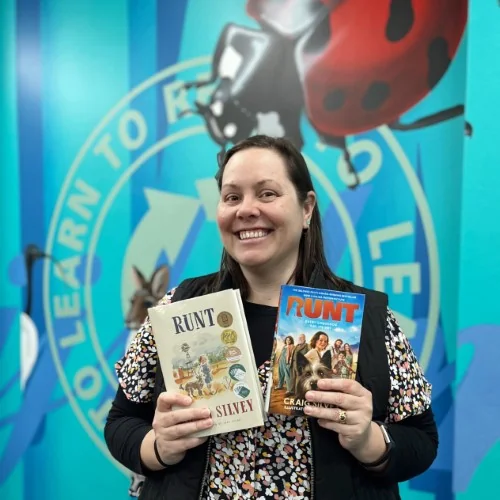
317 336
205 352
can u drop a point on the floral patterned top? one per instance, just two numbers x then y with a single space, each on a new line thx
273 461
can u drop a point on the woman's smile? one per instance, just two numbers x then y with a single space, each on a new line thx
253 235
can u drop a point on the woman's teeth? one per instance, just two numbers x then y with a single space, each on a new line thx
247 235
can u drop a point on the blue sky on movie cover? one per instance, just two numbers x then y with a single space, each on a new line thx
293 325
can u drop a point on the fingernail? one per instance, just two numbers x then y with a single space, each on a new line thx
310 396
208 422
187 399
307 409
206 412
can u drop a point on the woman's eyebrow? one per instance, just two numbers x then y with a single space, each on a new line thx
232 185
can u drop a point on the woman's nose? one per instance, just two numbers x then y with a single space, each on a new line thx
248 207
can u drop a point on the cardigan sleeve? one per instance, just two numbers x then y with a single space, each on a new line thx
126 426
410 419
136 370
131 415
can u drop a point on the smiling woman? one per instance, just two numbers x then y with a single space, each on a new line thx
380 432
259 216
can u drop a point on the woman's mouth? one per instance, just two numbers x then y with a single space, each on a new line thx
253 234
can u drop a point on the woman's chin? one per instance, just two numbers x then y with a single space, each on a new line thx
253 262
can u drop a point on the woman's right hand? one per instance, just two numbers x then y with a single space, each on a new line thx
173 428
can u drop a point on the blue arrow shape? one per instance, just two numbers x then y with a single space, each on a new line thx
187 245
335 239
478 395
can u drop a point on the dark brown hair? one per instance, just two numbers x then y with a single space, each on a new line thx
315 338
311 251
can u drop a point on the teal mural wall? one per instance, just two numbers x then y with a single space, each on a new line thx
108 161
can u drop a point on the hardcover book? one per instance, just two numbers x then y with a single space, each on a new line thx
317 336
205 352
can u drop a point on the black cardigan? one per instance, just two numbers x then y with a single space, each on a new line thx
336 473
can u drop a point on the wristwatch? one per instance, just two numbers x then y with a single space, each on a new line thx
389 445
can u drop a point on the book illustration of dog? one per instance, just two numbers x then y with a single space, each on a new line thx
191 387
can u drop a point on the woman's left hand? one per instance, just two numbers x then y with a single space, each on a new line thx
353 402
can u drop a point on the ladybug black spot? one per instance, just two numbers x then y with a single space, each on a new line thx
401 19
334 100
439 60
375 96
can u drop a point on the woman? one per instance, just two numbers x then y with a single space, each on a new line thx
382 430
349 357
284 365
319 345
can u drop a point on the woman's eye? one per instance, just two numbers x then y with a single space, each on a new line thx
231 197
268 194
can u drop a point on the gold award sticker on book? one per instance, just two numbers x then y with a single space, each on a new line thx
241 390
232 354
229 336
237 372
225 319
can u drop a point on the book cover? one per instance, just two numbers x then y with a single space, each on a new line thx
317 336
205 352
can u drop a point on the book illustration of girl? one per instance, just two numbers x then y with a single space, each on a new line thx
206 372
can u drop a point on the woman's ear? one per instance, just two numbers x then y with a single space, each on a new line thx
309 205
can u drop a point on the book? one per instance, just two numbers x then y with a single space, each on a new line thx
205 352
317 335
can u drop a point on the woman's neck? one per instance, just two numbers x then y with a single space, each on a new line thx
265 287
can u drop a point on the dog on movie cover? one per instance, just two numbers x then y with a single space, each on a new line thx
310 372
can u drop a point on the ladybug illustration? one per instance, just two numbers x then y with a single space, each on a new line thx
348 65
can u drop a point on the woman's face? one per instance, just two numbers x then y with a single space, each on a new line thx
322 342
259 216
